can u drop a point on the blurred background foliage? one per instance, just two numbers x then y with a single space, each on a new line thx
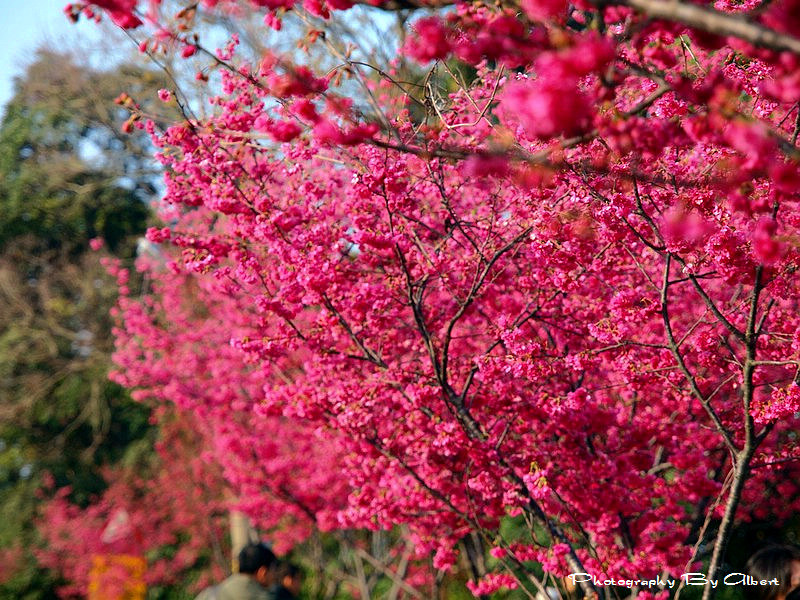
67 175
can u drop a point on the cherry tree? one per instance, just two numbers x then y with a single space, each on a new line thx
544 275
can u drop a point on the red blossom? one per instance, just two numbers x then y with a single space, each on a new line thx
465 298
430 41
547 107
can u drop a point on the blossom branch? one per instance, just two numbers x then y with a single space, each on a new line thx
713 21
726 436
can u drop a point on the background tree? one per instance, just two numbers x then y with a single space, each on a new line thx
67 175
563 293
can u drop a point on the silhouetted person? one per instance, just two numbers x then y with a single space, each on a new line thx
794 594
781 562
291 580
257 573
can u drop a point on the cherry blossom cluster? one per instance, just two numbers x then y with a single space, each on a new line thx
561 293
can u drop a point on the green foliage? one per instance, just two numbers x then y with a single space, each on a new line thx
67 175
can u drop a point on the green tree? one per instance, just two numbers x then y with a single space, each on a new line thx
67 175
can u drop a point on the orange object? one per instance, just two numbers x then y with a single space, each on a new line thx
117 577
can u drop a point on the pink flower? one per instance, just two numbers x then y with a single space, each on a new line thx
340 4
492 582
547 107
752 142
785 176
766 248
157 236
121 12
444 558
783 403
430 42
483 165
272 21
544 10
284 131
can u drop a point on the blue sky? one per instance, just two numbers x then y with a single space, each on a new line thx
27 24
24 25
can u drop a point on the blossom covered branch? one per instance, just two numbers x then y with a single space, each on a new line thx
558 291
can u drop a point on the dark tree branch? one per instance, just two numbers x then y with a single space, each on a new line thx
673 345
713 21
